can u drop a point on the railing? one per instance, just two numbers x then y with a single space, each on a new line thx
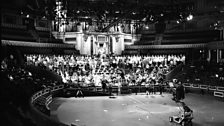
218 91
45 120
42 28
40 118
35 44
13 26
175 46
216 45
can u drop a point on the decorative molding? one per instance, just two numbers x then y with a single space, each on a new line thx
13 26
42 29
176 46
35 44
216 45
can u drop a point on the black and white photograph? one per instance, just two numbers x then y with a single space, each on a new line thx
112 63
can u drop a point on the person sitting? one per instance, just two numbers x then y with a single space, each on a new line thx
187 114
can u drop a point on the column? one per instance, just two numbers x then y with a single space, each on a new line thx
91 46
209 55
218 55
111 45
222 34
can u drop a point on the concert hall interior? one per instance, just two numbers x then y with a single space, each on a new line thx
112 62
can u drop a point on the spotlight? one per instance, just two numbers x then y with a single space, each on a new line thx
144 19
190 17
161 14
11 78
151 18
178 22
216 75
117 12
181 16
146 27
27 15
107 12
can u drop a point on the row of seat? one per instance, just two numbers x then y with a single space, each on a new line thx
22 34
181 37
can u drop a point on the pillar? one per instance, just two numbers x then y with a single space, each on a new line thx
222 34
219 55
111 45
209 55
91 46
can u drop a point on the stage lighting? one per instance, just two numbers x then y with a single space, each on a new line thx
216 75
146 27
117 12
190 17
151 18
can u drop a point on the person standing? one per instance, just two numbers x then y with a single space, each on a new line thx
79 92
160 88
180 93
104 85
110 89
147 89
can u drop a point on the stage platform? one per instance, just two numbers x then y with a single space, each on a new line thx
135 110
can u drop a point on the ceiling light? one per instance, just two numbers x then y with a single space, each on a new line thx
190 17
106 12
117 12
178 22
181 15
161 14
216 75
27 15
151 18
146 27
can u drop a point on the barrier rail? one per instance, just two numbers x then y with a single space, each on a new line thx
204 87
39 117
212 88
45 91
218 90
219 94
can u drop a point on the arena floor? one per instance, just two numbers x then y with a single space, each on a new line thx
135 110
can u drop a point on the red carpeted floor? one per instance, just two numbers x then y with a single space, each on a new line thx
135 110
